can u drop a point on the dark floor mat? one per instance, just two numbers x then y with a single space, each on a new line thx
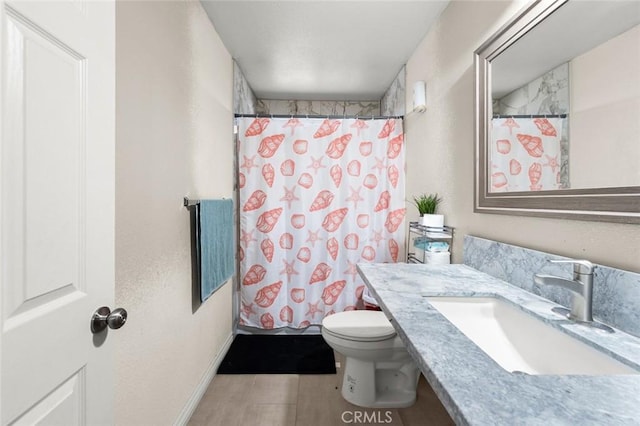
281 354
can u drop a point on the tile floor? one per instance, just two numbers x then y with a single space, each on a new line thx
304 400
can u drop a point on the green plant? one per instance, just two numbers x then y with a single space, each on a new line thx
427 204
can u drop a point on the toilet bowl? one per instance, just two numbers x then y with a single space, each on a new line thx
378 371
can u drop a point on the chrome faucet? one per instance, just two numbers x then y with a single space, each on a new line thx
581 286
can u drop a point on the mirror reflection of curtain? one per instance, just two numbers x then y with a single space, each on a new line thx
525 154
317 196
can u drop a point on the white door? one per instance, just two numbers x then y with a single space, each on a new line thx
56 210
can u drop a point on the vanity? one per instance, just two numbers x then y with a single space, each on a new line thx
473 387
548 85
542 94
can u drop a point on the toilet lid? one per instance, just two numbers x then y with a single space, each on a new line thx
364 325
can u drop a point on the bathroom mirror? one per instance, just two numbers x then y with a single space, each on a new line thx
557 113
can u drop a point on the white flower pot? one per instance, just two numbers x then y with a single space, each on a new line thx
432 220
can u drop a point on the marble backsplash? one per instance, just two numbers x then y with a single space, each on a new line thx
297 107
616 293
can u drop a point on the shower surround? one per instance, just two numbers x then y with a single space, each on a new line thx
313 108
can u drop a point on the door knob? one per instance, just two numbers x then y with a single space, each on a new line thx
105 317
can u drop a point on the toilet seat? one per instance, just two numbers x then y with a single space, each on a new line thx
361 326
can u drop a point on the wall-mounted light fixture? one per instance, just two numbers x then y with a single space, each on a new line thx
419 96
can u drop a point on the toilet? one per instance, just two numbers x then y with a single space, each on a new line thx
378 371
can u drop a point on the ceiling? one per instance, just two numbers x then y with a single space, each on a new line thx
322 50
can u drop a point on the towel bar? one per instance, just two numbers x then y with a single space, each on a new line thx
189 203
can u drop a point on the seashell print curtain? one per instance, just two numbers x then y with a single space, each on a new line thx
525 154
317 196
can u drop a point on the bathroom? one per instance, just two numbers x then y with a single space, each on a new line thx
173 70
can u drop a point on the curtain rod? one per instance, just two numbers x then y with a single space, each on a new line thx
530 116
334 117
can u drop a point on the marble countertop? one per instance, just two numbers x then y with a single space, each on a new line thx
474 389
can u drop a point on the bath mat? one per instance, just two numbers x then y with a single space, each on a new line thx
281 354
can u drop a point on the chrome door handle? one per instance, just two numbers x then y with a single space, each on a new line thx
105 317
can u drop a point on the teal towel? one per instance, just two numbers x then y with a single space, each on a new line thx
216 245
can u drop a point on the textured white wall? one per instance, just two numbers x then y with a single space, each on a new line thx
605 114
174 138
440 148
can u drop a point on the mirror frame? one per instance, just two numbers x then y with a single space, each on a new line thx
614 204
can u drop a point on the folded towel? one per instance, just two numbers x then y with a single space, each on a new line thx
216 245
431 246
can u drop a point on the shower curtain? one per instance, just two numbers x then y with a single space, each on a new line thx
317 196
525 154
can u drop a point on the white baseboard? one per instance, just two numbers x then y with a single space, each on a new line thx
199 391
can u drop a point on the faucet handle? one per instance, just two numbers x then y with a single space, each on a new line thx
579 266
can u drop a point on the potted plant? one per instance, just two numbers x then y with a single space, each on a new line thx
427 205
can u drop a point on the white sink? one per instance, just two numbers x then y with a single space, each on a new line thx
520 343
